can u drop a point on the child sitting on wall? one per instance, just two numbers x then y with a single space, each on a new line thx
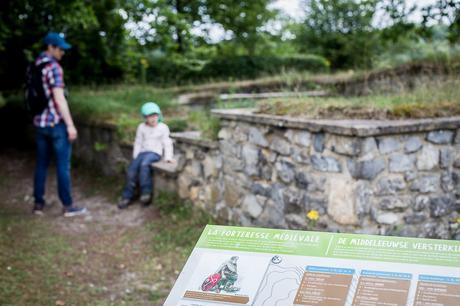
151 144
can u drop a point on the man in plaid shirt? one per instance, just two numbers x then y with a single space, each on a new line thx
54 128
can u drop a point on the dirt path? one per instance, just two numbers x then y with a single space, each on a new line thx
108 257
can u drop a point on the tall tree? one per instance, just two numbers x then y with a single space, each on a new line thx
165 24
340 30
94 28
245 19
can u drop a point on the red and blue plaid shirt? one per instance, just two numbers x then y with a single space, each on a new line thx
52 77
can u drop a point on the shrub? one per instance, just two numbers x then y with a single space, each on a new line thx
163 70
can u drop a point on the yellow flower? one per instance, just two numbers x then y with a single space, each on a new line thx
313 215
458 220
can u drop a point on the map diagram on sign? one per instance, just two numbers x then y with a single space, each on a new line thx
279 277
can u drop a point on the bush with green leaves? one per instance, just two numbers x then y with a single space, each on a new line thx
163 70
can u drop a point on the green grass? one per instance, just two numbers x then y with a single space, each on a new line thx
174 236
29 261
203 121
108 102
438 99
180 225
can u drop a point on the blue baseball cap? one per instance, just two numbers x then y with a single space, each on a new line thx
56 39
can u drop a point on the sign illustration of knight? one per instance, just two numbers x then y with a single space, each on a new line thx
224 279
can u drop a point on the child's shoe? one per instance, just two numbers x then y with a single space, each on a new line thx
146 199
124 203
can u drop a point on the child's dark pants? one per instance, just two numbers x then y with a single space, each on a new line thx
140 166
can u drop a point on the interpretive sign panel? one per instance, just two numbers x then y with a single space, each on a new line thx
271 267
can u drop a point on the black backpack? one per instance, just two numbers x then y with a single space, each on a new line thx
35 97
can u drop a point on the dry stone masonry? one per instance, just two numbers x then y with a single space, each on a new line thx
378 177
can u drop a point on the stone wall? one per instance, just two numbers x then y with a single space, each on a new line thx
377 177
98 146
398 177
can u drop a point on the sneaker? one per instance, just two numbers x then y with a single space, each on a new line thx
73 211
38 209
124 203
146 199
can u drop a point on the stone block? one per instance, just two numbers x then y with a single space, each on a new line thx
413 144
369 147
230 149
388 144
362 195
272 216
250 155
183 183
401 163
193 195
394 203
428 158
285 170
251 206
446 158
409 176
317 203
295 221
301 156
257 137
301 138
387 218
325 164
426 184
209 167
280 146
421 202
293 201
365 170
232 193
309 182
442 205
390 186
349 146
240 134
456 163
233 164
435 230
447 181
277 195
415 218
267 156
224 134
341 203
260 188
440 137
319 142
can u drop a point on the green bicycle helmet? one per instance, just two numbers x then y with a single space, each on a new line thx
151 108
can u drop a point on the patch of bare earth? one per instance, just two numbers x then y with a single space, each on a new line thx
103 258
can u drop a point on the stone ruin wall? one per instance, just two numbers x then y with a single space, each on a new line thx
267 174
267 171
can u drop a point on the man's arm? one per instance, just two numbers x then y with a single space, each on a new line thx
59 98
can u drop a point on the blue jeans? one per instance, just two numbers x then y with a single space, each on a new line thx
53 140
140 167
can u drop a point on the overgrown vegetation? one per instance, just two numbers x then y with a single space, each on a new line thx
433 99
